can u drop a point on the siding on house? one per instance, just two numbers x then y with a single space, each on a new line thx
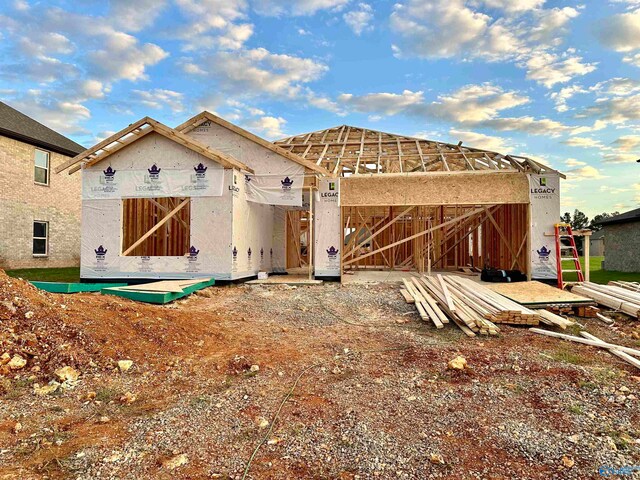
22 202
622 247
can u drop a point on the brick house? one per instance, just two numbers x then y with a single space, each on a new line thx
39 211
622 242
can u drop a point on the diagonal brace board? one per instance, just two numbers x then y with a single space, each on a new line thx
416 235
375 234
156 227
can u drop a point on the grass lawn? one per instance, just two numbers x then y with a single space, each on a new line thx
70 274
597 274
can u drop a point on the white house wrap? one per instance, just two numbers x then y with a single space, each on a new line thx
544 193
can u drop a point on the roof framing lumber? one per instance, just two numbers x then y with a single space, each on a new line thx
346 150
135 132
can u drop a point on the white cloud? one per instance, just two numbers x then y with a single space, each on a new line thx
386 103
514 5
528 124
214 23
621 32
617 86
583 142
359 20
270 127
479 140
572 162
587 172
258 71
633 59
549 69
551 25
296 7
564 94
628 143
123 58
159 98
476 103
426 30
471 103
625 149
134 16
616 110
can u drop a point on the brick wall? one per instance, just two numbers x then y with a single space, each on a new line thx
622 247
22 201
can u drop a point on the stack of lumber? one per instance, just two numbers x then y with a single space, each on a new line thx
471 306
612 296
633 286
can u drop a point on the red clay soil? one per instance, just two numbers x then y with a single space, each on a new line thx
379 402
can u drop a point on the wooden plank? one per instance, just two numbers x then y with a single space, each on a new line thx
614 351
593 343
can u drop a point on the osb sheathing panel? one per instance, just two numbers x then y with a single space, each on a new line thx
435 188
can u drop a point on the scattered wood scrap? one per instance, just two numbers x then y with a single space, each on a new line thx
625 353
586 341
612 296
614 351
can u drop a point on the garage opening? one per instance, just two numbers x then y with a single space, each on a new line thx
423 237
156 227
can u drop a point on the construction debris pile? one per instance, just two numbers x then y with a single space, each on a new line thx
621 296
471 306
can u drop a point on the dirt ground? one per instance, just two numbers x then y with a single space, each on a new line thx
373 399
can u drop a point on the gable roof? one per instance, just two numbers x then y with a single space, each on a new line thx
17 125
136 131
198 119
627 217
347 150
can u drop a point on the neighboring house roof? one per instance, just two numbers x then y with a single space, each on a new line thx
198 119
599 235
350 150
135 132
627 217
17 125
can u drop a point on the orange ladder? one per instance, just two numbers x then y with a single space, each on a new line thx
563 230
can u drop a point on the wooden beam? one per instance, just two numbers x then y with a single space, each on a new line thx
156 227
416 235
100 145
370 237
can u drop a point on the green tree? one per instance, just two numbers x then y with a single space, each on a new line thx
593 225
579 221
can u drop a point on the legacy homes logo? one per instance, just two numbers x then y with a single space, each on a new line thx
193 252
154 172
234 253
287 183
542 188
200 170
101 253
543 253
332 252
332 194
109 174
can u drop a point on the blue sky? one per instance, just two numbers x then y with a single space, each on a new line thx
558 81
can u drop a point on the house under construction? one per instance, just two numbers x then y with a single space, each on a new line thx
209 199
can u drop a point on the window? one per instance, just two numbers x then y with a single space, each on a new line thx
41 174
146 228
40 238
